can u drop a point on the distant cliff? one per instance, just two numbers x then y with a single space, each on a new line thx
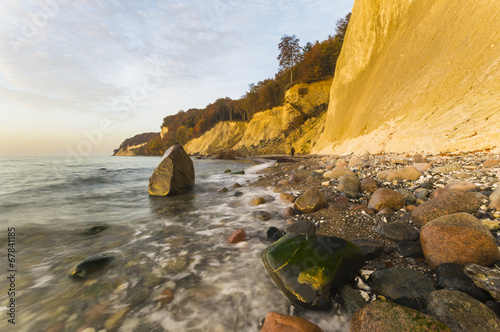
133 146
275 130
417 75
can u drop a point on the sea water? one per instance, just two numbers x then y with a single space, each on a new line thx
162 246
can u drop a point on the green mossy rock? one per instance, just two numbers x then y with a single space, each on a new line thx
309 269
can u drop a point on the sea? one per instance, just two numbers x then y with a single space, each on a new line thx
173 269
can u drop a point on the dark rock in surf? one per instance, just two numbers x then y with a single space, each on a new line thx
174 175
91 264
95 230
273 234
309 269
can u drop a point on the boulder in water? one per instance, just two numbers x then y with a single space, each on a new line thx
91 264
174 175
309 269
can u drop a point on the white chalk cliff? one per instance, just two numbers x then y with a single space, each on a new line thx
417 75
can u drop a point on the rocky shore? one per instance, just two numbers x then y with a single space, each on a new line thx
418 220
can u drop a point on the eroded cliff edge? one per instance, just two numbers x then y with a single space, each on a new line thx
416 75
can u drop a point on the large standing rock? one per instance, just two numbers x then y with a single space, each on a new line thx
386 198
309 269
380 316
451 201
310 201
278 322
403 286
458 238
174 175
461 312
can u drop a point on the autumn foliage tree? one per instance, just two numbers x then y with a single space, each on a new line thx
290 53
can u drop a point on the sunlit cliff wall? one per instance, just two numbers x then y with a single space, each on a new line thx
417 75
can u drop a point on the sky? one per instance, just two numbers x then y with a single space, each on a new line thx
78 77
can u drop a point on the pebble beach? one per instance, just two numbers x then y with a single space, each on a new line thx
387 204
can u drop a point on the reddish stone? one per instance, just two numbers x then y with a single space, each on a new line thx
236 185
362 207
458 238
386 198
422 167
56 328
451 201
238 236
294 178
489 163
369 185
495 199
410 208
291 221
275 322
341 163
461 186
341 200
419 160
166 297
400 161
288 212
285 197
438 192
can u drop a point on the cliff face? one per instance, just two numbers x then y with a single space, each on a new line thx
274 130
416 75
300 101
222 136
129 150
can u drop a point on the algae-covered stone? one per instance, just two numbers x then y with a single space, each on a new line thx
309 269
391 317
174 175
461 312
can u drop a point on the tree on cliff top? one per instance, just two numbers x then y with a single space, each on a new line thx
290 53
